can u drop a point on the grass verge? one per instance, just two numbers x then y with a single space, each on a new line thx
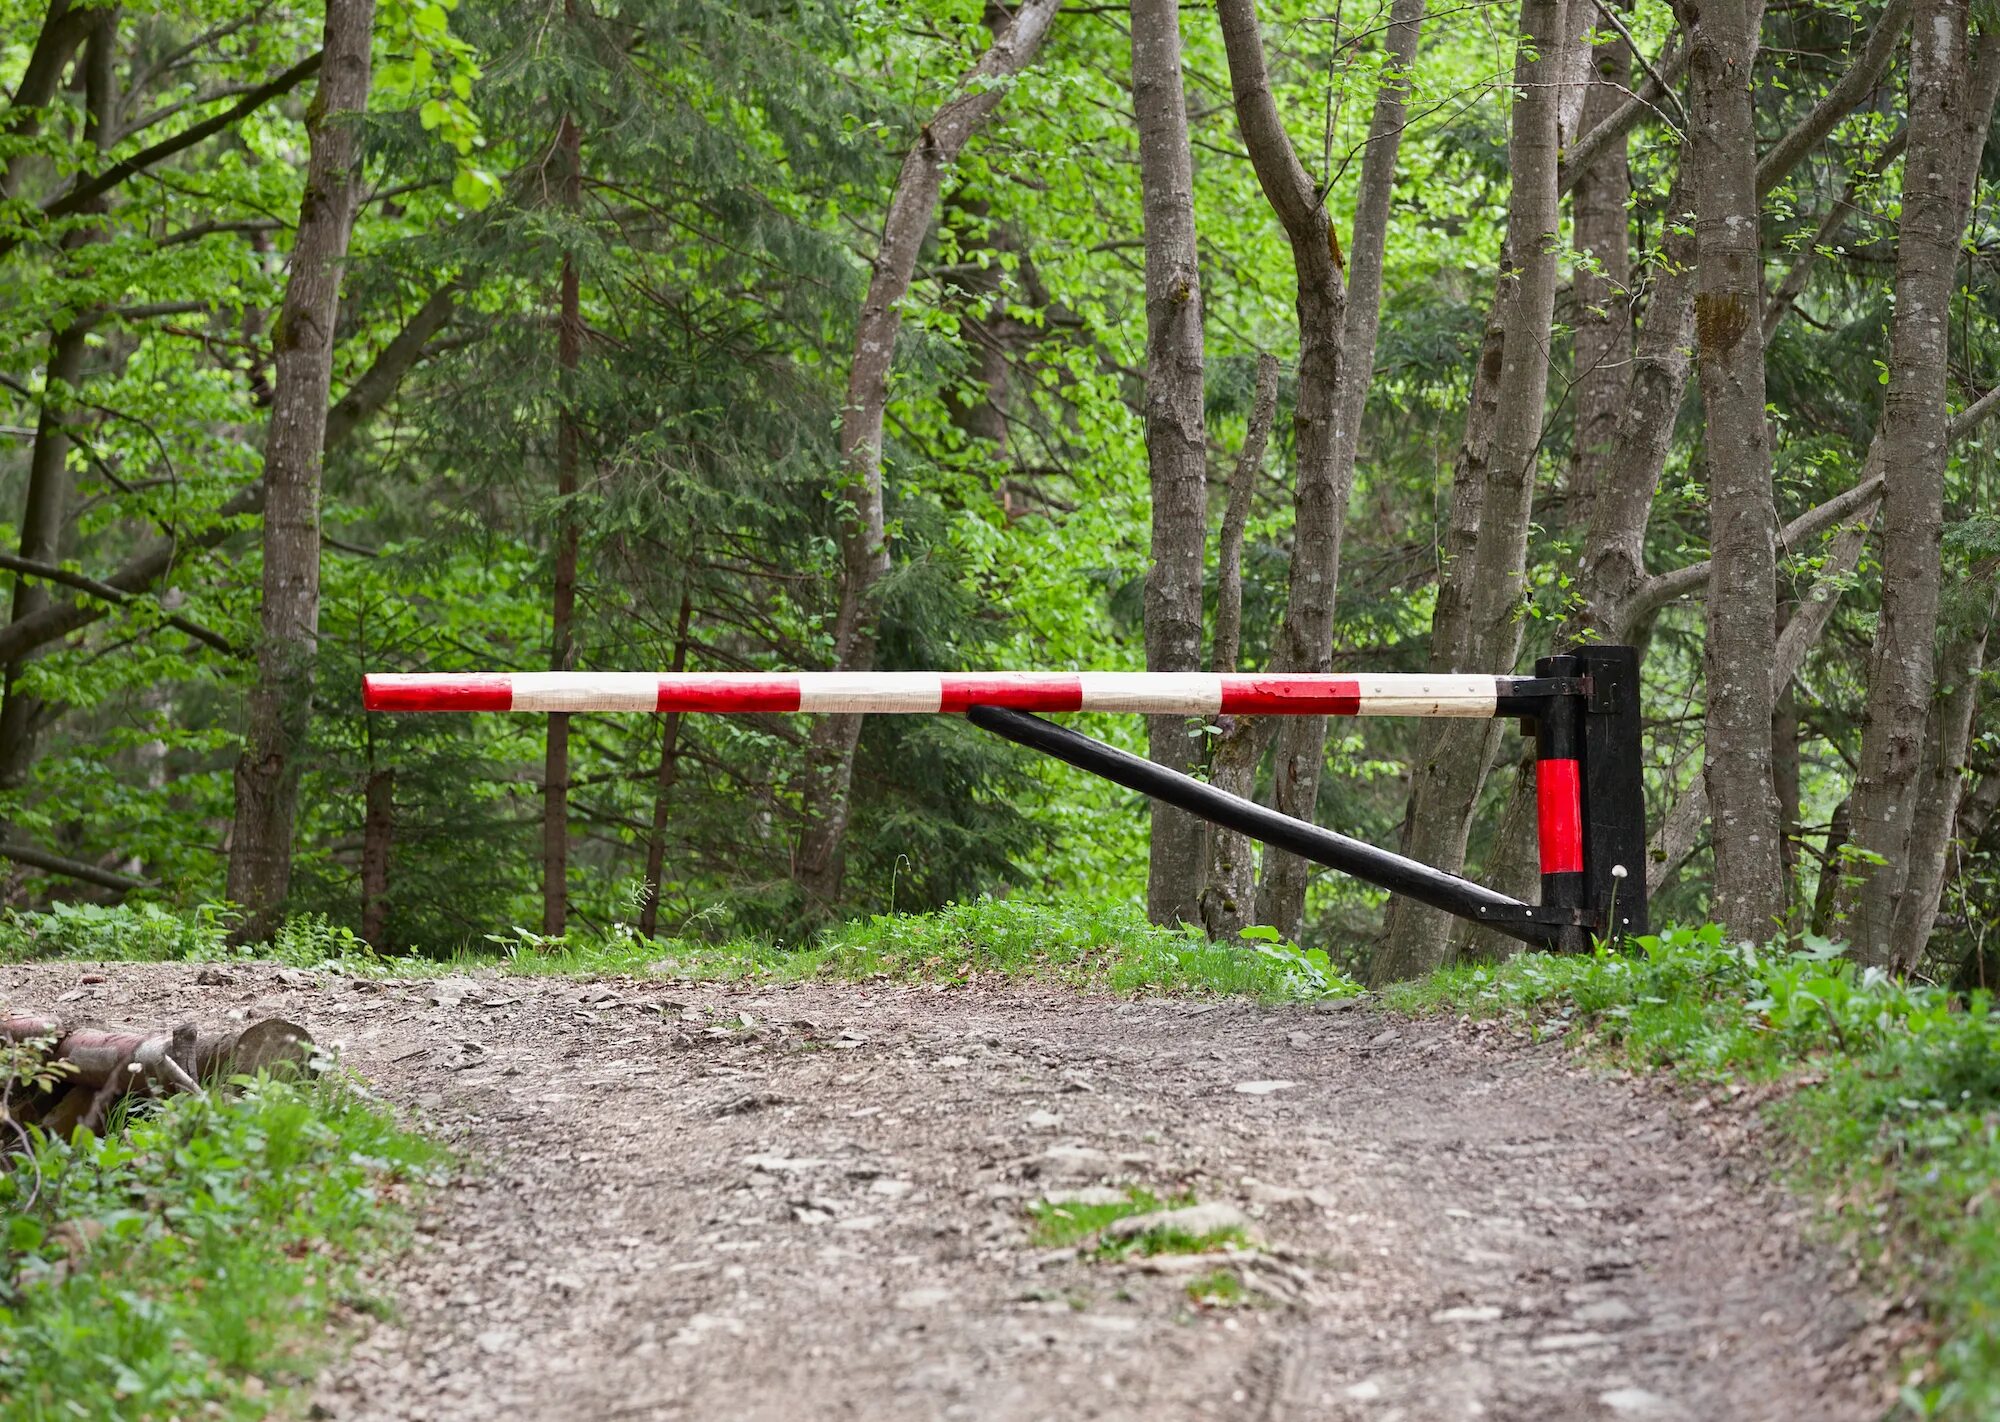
1886 1094
1104 947
189 1264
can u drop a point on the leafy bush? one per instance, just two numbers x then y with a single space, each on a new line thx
187 1264
132 933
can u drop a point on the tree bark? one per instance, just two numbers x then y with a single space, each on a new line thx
1934 816
1176 437
280 706
45 512
1945 140
1493 483
1346 370
1601 387
378 832
1729 337
1229 890
663 786
829 772
1602 287
562 606
1680 830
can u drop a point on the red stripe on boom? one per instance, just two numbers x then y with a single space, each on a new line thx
1017 691
729 693
394 692
1559 806
1284 695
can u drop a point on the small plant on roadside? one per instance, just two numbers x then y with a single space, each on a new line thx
186 1263
1308 972
1223 1288
1057 1224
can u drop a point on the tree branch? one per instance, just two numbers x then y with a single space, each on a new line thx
71 868
1839 101
90 189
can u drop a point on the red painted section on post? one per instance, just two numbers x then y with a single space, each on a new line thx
1283 695
741 692
1559 806
1017 691
404 692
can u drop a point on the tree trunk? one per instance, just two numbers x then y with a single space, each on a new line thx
1301 740
1934 816
1936 190
663 786
1729 338
1478 625
1602 363
829 773
378 832
1176 436
1601 289
280 705
45 513
562 618
1832 859
1229 891
63 28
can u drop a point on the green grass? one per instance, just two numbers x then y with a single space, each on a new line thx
189 1263
1108 948
1888 1101
1059 1226
1222 1288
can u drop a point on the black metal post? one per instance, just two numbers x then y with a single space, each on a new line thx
1614 790
1559 775
1528 922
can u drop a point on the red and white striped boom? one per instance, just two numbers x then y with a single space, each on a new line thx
1154 693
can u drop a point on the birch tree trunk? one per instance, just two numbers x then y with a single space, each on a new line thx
1301 740
829 773
1729 338
1486 573
562 602
1176 437
1900 666
280 706
1229 891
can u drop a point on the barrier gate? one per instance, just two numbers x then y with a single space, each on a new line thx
1581 707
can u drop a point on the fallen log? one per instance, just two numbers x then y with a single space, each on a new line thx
94 1066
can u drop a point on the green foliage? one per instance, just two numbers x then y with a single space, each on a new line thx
1056 1226
1892 1105
187 1264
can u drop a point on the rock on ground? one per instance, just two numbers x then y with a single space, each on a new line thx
762 1202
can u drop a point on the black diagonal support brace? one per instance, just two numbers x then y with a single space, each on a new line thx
1417 881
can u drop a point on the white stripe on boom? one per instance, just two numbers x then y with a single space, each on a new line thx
1161 693
870 691
586 691
1421 694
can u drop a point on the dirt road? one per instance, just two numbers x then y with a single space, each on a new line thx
745 1202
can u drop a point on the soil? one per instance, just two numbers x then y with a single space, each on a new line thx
745 1201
